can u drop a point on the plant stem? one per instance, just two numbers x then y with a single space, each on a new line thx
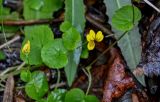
105 51
89 80
58 79
31 22
3 31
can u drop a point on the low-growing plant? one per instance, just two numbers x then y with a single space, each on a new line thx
41 48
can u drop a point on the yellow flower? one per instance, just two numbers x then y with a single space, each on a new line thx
91 37
26 48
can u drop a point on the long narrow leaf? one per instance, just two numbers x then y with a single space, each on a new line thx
74 13
130 43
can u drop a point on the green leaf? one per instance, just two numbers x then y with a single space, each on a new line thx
71 39
38 37
65 26
57 95
85 52
25 75
37 87
54 54
91 98
6 15
37 4
2 55
130 43
75 14
42 100
75 95
4 12
123 18
40 9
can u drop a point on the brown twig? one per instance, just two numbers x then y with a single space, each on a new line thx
47 21
98 25
30 22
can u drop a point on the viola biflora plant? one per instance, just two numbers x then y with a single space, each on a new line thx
41 48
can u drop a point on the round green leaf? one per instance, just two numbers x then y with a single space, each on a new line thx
38 36
25 75
75 95
37 87
91 98
57 96
54 54
123 18
65 26
71 39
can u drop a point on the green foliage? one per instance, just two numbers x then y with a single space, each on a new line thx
42 100
91 98
77 95
85 52
130 43
65 26
6 14
125 17
74 95
75 14
37 87
54 54
57 95
2 55
38 37
71 39
25 75
40 9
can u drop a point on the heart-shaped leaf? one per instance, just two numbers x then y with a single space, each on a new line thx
37 87
57 95
65 26
25 75
54 54
40 9
75 95
71 39
91 98
125 17
38 37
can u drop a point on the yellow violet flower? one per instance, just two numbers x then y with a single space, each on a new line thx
26 48
91 37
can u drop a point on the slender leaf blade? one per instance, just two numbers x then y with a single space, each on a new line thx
75 14
130 43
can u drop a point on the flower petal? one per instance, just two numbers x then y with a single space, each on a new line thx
99 36
88 37
92 35
26 48
90 45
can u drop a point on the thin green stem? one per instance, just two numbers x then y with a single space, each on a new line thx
89 80
88 68
58 79
3 29
105 51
